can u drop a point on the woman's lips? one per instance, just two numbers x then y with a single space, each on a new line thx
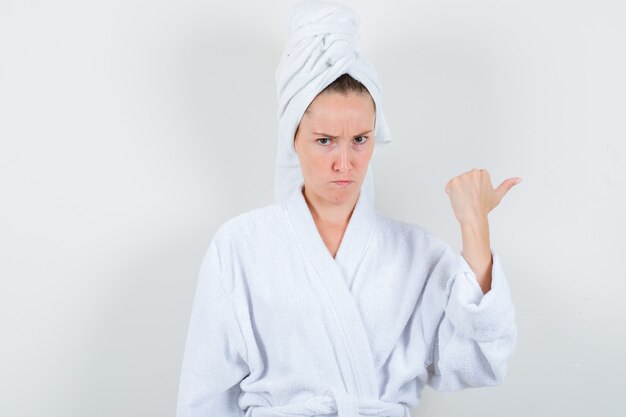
343 183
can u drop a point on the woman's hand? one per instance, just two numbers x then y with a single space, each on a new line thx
473 197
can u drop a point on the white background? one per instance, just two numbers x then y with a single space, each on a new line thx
130 130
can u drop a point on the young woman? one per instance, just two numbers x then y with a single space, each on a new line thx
319 304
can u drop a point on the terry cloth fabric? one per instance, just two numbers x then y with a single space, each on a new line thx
281 328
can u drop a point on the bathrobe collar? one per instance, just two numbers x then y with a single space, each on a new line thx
340 279
354 242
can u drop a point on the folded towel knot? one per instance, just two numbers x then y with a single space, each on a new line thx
338 48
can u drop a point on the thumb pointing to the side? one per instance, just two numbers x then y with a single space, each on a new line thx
506 185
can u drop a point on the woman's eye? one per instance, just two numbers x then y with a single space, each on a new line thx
364 139
318 141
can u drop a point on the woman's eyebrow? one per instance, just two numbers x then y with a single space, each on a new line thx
335 137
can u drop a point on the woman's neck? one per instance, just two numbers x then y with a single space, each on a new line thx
329 214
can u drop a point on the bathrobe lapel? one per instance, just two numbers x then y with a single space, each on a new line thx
338 276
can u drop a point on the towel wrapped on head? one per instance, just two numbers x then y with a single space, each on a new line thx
321 46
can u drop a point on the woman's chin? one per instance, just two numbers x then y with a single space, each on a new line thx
344 194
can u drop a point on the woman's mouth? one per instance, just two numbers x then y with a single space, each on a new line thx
343 183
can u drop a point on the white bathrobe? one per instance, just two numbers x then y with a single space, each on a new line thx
281 328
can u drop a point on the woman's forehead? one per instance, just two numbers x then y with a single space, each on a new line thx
341 100
340 110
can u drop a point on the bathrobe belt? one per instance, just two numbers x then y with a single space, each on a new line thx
338 402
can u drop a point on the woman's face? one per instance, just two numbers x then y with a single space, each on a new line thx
335 141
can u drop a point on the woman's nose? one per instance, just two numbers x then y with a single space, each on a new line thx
342 160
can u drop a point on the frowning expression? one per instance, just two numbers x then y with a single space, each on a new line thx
334 142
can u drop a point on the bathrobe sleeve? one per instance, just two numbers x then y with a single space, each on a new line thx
477 332
214 359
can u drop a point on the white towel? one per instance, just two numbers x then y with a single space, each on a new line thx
321 46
